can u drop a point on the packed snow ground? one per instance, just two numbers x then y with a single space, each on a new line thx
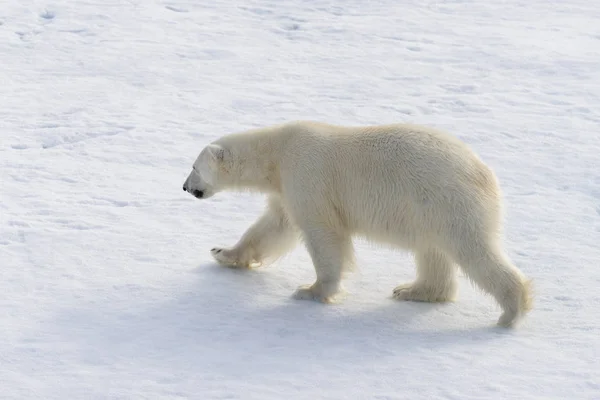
108 288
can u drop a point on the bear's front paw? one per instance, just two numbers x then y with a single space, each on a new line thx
231 258
324 293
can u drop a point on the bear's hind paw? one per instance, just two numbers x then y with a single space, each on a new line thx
318 292
413 292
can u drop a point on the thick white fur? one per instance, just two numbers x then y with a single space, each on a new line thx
408 186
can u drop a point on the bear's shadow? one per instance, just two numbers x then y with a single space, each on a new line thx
225 321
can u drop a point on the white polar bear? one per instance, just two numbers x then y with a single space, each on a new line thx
409 186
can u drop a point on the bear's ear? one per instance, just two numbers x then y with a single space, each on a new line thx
216 152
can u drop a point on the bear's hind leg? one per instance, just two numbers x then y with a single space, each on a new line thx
436 279
489 268
269 238
332 254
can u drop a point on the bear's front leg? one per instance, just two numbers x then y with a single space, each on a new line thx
332 254
269 238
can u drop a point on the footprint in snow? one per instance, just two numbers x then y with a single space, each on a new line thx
47 15
176 9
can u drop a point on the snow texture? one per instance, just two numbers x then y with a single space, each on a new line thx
108 287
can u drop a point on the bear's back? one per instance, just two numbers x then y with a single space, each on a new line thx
385 154
387 174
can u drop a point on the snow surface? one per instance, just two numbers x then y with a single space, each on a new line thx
108 288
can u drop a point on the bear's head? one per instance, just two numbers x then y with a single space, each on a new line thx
209 172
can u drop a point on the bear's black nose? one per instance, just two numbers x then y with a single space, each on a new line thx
184 189
198 193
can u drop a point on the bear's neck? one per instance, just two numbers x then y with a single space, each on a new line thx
255 161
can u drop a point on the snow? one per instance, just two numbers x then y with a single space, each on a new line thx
108 288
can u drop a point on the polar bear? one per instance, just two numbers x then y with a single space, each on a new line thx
408 186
